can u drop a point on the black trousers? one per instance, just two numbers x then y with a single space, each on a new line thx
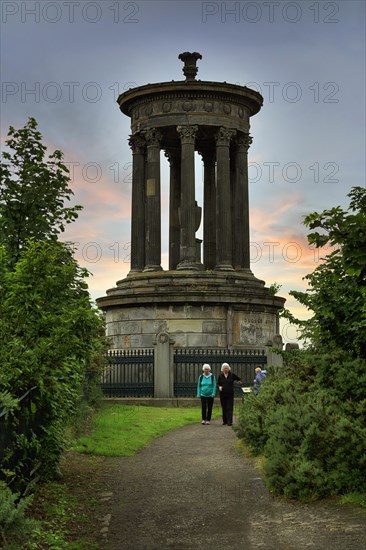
227 405
207 404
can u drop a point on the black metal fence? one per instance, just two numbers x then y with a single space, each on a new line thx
130 373
188 366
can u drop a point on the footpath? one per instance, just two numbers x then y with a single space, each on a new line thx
191 489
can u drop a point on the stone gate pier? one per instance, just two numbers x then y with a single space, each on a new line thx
209 296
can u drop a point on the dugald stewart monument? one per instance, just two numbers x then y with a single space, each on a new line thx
209 297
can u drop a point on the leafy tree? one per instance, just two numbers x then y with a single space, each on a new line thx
33 191
52 339
50 336
337 287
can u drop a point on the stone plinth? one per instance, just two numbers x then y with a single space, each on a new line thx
218 309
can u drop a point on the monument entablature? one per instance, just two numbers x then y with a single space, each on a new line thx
169 105
182 118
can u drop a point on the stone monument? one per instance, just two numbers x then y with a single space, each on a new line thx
213 301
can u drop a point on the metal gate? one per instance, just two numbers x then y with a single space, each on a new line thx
130 373
188 366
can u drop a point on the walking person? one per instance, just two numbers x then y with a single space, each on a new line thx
206 390
225 383
257 382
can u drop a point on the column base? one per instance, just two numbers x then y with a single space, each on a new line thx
245 270
188 265
134 271
152 268
224 267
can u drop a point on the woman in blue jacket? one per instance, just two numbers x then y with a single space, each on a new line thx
206 390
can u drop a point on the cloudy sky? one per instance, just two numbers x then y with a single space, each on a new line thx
65 62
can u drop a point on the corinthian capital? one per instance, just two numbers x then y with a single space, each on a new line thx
152 136
224 135
243 142
137 143
173 155
187 133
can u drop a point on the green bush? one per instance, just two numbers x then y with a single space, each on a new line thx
51 336
14 525
308 422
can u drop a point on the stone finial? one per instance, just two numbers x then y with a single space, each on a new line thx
190 59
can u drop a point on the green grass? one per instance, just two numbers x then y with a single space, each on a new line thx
58 509
354 498
122 430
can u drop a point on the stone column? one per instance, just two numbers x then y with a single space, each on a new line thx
223 200
153 210
240 201
173 156
209 208
138 146
187 203
163 366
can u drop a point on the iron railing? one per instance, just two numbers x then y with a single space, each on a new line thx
188 366
130 373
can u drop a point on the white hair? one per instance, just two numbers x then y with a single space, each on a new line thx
206 366
225 365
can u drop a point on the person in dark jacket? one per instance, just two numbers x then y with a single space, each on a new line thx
225 384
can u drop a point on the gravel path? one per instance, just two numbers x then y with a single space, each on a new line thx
191 489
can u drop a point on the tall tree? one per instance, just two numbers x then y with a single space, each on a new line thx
51 338
33 190
337 287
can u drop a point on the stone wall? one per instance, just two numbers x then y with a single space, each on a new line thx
190 325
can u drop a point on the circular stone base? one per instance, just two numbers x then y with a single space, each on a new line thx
205 309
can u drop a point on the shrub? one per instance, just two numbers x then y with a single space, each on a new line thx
14 525
308 422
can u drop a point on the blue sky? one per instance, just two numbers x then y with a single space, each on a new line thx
64 63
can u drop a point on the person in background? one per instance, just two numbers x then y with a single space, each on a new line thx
257 382
206 390
225 383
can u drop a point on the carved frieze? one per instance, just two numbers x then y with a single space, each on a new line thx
188 106
253 328
201 103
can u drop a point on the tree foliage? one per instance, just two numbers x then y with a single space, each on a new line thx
33 191
50 335
308 422
308 418
52 340
337 287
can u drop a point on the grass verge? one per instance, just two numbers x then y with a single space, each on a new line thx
122 430
354 498
59 521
